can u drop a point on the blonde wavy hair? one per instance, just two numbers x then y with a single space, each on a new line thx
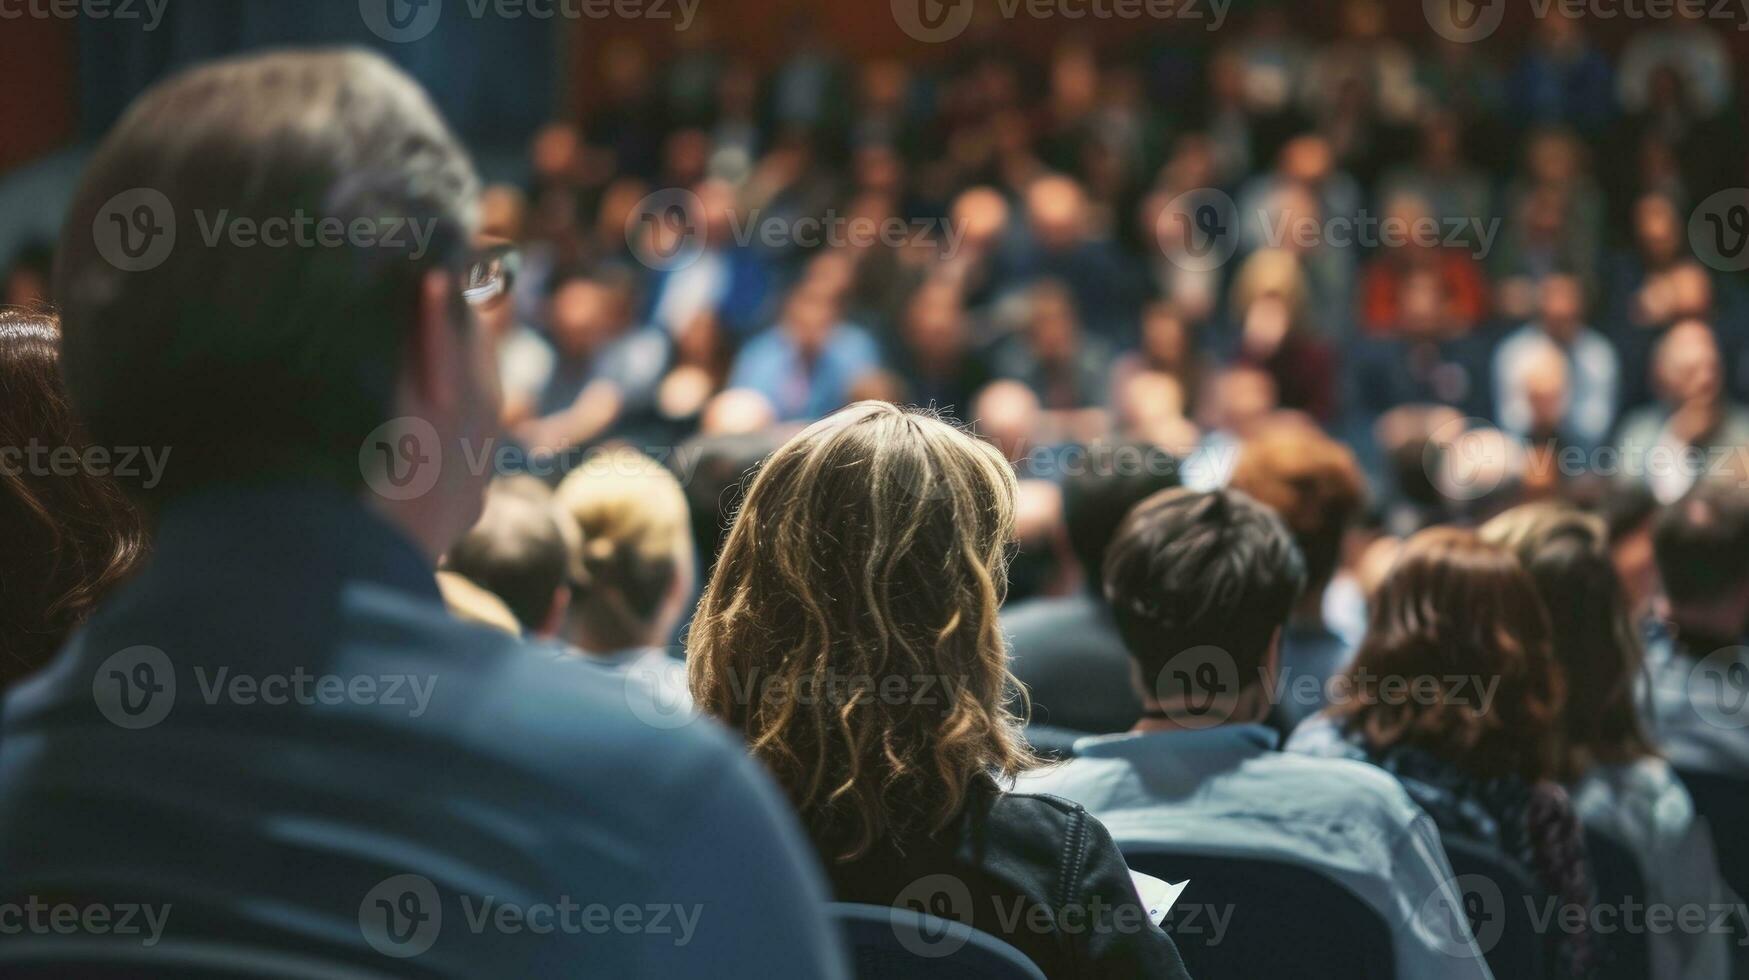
632 542
849 630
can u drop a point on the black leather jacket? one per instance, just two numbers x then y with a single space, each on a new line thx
1038 871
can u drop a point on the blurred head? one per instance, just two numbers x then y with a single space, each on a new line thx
871 546
1006 414
631 581
1096 498
1701 544
1658 229
581 316
1052 328
1629 508
70 533
935 328
1055 210
1542 374
517 552
1562 306
1452 609
257 361
1313 483
1686 366
1596 647
1189 570
809 316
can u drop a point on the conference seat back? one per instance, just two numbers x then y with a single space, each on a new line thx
887 943
1620 883
1502 900
1253 917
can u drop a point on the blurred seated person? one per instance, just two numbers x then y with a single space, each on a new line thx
1063 365
632 580
1315 486
605 371
1066 649
1478 747
1062 246
1463 285
517 552
1269 302
806 364
727 281
1429 359
935 357
1591 369
71 534
1694 698
1168 346
1237 404
1669 444
869 550
1618 782
1203 584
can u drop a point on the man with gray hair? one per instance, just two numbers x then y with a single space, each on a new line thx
274 733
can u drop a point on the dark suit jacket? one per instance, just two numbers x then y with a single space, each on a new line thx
278 732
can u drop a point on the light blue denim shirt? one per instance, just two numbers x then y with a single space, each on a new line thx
1228 791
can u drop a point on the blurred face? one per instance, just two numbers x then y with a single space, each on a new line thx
1657 229
1053 329
1562 306
1163 336
1689 366
935 330
809 318
580 317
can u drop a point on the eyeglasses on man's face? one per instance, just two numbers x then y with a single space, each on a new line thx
490 274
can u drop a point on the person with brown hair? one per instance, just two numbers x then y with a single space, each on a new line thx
850 632
70 533
1314 483
1620 785
1455 691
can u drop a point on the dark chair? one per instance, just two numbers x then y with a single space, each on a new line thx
888 943
1619 880
1723 802
1500 896
1250 917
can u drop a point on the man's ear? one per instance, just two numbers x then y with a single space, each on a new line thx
1272 659
434 346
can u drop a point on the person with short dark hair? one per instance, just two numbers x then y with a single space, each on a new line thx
516 552
274 728
1066 649
1479 748
1696 708
1202 585
71 536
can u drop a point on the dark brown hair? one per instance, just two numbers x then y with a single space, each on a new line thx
1566 552
872 546
69 533
1454 607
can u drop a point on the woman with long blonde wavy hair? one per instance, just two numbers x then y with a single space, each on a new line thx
849 632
